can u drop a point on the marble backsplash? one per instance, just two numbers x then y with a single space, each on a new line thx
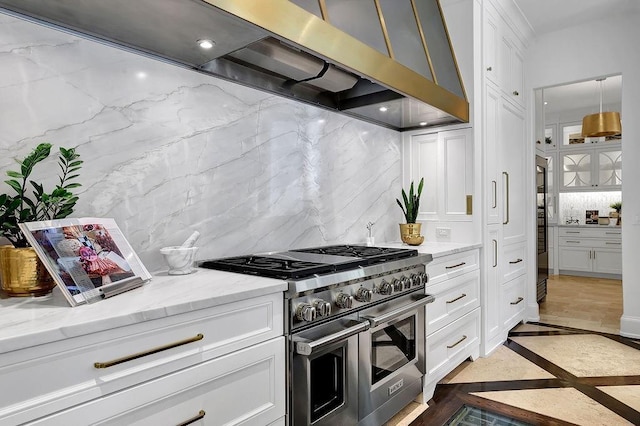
574 205
168 151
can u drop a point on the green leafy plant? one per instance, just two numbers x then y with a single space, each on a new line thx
617 206
38 204
411 203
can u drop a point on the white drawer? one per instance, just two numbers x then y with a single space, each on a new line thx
65 370
601 232
454 298
246 387
590 242
513 301
513 262
449 346
443 268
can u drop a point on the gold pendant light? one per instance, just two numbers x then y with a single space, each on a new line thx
601 124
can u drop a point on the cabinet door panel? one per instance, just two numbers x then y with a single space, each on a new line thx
458 169
609 168
607 261
492 178
577 170
490 45
512 149
575 258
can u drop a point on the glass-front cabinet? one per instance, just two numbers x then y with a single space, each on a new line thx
599 168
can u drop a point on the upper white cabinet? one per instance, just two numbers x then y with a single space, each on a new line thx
592 168
492 174
503 60
445 161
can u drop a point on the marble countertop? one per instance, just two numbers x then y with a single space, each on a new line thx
26 322
582 225
434 248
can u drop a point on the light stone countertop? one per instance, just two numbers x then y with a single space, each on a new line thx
588 226
434 248
26 322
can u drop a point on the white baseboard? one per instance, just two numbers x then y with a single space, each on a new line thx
630 326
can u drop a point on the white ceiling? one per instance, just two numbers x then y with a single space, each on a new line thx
546 16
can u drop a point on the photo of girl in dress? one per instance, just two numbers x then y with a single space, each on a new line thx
85 255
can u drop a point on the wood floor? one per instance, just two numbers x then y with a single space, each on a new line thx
585 303
575 308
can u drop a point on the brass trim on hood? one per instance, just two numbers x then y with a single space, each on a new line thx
424 41
289 22
385 32
453 53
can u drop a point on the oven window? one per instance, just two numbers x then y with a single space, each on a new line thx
392 347
327 383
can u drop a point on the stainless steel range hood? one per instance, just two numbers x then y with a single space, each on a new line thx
402 75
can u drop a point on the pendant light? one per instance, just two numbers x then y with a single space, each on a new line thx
601 124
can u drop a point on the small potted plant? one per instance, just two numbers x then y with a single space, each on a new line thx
617 206
410 231
21 271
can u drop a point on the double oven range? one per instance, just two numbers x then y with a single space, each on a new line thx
355 329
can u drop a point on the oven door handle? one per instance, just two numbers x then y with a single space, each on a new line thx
306 348
391 315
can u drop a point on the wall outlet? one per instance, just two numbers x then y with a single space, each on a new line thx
443 232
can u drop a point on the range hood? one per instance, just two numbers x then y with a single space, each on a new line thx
389 62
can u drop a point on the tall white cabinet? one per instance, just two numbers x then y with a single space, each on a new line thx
505 161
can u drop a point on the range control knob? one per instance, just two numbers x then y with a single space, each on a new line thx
323 309
385 288
424 278
364 294
415 279
397 285
305 312
344 301
406 282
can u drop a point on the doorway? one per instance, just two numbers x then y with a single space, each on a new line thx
584 181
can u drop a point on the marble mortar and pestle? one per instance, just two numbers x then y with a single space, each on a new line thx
181 258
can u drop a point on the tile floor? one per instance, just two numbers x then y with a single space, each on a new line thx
572 368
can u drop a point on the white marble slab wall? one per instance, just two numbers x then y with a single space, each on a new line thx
168 150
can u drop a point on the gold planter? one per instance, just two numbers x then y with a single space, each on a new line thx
410 233
22 273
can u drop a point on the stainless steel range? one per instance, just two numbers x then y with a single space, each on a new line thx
355 329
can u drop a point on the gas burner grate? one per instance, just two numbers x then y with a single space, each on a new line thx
268 266
371 254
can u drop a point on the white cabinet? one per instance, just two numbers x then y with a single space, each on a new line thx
590 251
181 359
512 163
493 175
588 169
491 37
453 319
445 161
511 64
490 295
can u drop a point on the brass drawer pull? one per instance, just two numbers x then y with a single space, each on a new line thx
458 342
457 298
572 232
574 242
613 233
149 352
520 299
615 244
515 261
193 419
455 266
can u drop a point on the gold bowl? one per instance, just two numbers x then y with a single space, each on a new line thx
414 240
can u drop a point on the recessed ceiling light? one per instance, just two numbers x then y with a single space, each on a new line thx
141 75
423 123
546 103
383 108
206 43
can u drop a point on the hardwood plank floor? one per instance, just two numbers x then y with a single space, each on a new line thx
583 302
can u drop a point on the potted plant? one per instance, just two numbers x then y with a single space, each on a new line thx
617 206
410 231
21 271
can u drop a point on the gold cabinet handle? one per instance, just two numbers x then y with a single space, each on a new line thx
615 244
149 352
455 266
520 299
495 253
506 184
515 92
193 419
489 68
464 337
457 298
573 242
515 261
